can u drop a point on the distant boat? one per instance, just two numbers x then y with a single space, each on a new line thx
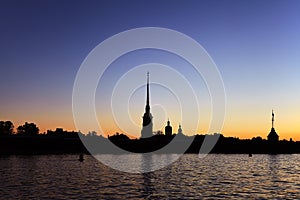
81 159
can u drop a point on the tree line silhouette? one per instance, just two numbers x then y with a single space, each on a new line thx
28 140
7 128
31 129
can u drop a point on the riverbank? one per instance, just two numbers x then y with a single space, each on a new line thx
43 144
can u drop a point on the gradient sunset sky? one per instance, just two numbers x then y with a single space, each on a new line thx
255 45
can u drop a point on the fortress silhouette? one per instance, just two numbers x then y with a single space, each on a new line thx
27 140
147 125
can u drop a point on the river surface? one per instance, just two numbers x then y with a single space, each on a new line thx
212 177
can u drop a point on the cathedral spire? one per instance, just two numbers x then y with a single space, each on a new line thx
147 129
272 119
147 101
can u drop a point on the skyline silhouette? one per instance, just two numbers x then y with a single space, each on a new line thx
27 140
62 142
28 137
31 129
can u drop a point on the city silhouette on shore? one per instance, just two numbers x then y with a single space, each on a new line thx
28 140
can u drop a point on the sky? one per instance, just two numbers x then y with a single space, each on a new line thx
255 45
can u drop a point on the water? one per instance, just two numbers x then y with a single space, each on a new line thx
213 177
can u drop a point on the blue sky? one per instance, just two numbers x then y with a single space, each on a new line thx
255 45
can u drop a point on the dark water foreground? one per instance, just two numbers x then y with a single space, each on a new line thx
216 176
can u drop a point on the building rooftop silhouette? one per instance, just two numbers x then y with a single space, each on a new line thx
168 128
180 130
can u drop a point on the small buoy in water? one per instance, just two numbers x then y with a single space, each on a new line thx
81 158
250 154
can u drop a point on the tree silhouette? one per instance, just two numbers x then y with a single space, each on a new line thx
28 129
118 137
6 128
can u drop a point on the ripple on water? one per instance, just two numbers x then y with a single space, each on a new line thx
212 177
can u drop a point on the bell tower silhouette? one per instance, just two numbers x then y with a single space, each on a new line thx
168 128
147 130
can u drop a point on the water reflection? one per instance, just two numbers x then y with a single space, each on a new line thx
149 188
146 162
213 177
274 166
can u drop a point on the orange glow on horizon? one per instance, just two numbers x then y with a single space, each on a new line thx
244 125
262 130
